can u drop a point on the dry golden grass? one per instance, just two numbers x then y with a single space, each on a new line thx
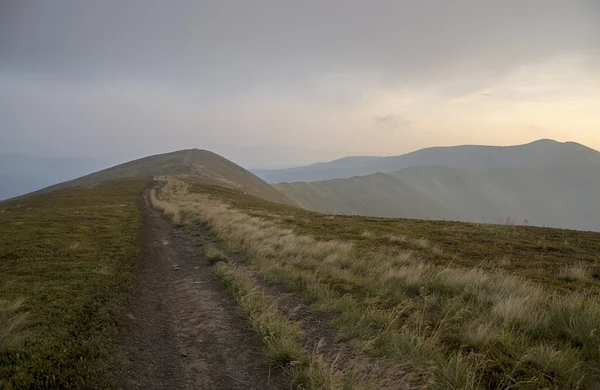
11 323
172 211
575 272
454 327
282 339
214 254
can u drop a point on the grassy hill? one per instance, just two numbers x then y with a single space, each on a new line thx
398 302
378 195
193 163
556 197
67 260
433 304
536 155
68 254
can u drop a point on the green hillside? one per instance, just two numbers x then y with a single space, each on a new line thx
67 260
338 301
378 195
555 197
559 197
193 163
432 304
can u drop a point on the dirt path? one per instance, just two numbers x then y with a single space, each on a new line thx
185 331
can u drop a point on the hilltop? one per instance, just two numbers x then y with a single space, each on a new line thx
536 155
197 164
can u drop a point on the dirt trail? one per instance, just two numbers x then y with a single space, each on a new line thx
185 331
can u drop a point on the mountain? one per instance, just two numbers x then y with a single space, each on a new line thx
20 174
536 155
561 197
378 195
92 272
192 163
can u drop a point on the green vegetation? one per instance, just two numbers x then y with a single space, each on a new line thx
556 197
282 337
538 254
192 163
67 260
213 254
461 305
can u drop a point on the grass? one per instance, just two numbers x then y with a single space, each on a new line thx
67 260
213 254
281 336
579 272
11 323
537 254
168 209
426 298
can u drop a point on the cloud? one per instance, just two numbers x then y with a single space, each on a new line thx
392 122
228 46
114 76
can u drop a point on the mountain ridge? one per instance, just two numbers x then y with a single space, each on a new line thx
561 197
198 164
540 153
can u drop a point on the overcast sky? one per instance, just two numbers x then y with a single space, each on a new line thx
278 83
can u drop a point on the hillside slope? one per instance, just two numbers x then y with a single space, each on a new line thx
411 294
535 155
199 164
378 195
556 197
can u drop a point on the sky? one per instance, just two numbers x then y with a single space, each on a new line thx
276 83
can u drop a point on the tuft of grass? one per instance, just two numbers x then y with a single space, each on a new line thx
281 336
11 324
367 234
213 254
575 272
170 210
504 261
564 364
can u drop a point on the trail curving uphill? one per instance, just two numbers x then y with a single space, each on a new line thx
184 330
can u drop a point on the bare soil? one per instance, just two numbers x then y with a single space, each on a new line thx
185 331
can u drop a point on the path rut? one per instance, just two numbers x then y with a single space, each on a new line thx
185 331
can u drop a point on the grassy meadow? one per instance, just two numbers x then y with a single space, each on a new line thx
66 264
454 305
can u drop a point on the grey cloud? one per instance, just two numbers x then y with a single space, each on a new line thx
66 66
392 122
225 45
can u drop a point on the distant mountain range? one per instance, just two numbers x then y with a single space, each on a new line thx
539 154
544 183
